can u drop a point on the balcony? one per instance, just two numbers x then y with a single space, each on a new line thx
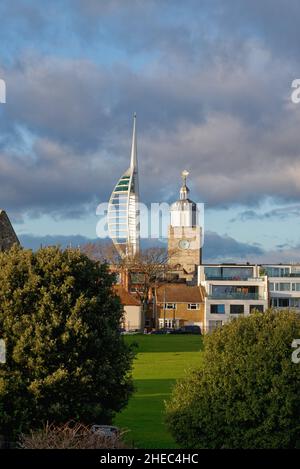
235 296
290 275
235 279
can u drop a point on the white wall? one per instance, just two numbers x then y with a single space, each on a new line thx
133 318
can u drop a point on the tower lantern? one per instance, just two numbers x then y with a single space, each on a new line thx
184 210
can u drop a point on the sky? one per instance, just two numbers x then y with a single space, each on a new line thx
210 81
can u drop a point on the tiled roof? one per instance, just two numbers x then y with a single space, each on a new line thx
126 298
180 293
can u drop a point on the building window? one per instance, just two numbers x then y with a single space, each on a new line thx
193 306
236 309
296 286
280 302
168 323
118 278
170 305
135 290
217 309
237 273
256 308
243 292
295 302
283 302
212 272
284 286
137 278
271 286
277 271
228 273
212 325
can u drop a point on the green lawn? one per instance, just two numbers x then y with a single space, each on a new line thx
161 359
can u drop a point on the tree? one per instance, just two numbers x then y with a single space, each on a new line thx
246 395
101 251
150 266
65 357
149 269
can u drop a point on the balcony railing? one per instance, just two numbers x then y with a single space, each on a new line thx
234 278
235 296
291 275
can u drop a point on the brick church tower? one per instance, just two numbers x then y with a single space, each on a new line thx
185 233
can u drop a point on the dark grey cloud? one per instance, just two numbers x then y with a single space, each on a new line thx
57 181
209 84
64 100
280 213
34 242
223 248
274 22
162 24
219 248
82 111
216 247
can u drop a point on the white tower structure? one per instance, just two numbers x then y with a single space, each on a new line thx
123 207
185 233
184 212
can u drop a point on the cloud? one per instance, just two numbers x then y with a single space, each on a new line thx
31 241
34 242
61 105
280 213
220 107
223 248
165 26
217 248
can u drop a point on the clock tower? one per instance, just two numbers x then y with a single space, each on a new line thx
185 233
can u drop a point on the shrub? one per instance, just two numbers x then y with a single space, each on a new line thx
65 357
247 395
69 436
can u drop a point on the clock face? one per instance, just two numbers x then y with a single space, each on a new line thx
184 244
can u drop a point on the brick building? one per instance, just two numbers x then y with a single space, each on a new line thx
178 305
133 319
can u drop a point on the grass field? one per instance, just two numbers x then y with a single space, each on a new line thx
161 359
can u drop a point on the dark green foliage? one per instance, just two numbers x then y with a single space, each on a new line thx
65 357
247 394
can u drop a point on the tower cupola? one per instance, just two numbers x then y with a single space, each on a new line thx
184 210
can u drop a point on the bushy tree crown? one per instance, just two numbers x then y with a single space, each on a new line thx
65 357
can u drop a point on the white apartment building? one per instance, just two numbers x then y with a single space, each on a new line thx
232 290
284 285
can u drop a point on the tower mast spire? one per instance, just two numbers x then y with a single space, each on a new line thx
133 159
123 207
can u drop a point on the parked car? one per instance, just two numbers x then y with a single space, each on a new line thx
193 329
106 431
161 331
